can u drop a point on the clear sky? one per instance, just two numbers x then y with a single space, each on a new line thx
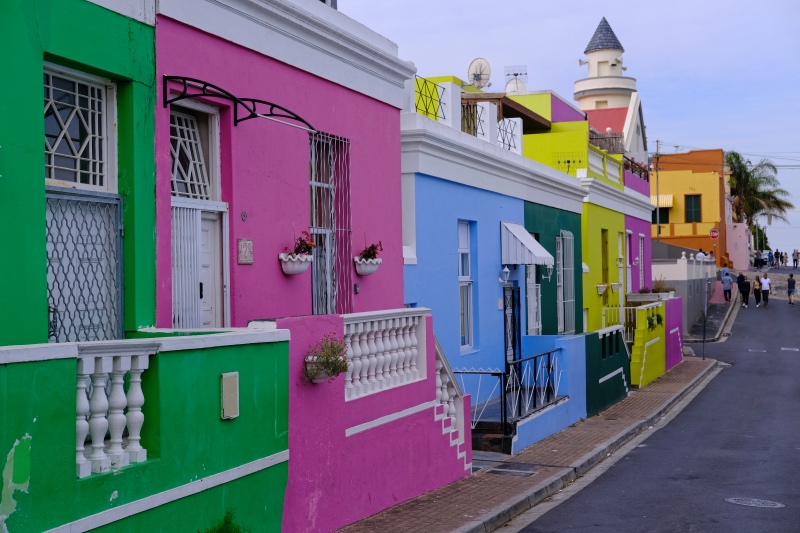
710 73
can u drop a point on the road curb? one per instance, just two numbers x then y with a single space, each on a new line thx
503 513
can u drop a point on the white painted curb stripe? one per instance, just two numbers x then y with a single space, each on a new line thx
156 500
349 432
611 375
790 349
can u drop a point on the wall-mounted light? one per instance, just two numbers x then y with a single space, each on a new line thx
620 261
549 269
504 275
636 261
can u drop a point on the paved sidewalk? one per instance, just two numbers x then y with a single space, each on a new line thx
491 497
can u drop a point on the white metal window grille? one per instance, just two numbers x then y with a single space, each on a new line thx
330 224
75 131
465 285
641 261
534 294
187 309
560 283
190 177
84 265
568 280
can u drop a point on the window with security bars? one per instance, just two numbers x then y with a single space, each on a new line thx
77 136
534 298
190 175
604 261
641 261
568 281
465 285
693 208
330 224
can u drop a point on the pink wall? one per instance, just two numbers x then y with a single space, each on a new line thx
738 238
335 480
560 111
265 173
637 226
673 321
636 183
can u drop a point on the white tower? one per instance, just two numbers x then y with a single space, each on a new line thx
605 86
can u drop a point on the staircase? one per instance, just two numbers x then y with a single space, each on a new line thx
450 408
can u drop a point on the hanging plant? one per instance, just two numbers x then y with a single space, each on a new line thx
325 360
367 261
300 257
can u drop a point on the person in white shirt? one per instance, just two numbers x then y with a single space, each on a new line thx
765 283
700 255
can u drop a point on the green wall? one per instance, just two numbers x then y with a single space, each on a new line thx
86 37
184 436
547 223
604 356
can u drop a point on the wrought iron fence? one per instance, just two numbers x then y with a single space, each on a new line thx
428 99
471 118
638 169
84 265
525 386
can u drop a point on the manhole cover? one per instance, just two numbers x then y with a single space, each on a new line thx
514 469
753 502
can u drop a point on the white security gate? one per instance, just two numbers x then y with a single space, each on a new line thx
560 283
568 281
534 295
84 265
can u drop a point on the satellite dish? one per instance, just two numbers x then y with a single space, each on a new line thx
479 72
515 86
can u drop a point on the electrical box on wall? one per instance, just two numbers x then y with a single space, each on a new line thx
230 395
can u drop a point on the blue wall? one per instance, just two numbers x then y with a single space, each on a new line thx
551 420
433 281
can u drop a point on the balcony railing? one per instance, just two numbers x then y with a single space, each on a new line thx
385 349
428 99
472 118
613 143
625 317
636 168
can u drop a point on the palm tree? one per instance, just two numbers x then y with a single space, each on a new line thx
756 190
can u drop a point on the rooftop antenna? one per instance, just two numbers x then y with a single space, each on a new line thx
479 73
516 76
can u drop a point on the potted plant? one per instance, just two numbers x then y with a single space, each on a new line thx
367 262
325 360
300 258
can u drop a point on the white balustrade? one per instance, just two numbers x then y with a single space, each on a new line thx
385 349
107 407
595 162
612 169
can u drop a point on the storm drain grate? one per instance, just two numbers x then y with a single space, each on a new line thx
514 469
753 502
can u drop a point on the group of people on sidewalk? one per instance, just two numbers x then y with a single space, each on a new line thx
759 288
777 259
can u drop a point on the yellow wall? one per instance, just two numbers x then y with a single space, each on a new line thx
648 354
593 221
566 142
541 104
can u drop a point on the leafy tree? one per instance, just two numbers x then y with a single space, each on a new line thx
756 190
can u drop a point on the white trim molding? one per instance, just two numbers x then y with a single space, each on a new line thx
156 500
349 432
306 34
627 202
142 10
428 147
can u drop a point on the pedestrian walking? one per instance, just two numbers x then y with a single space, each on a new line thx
744 290
700 256
784 259
790 283
739 279
765 283
777 255
771 259
757 291
795 257
727 282
758 259
725 271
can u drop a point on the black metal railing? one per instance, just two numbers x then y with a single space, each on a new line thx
428 98
638 169
525 386
613 143
507 134
471 118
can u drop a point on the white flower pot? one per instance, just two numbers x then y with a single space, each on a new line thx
322 378
365 267
293 264
601 288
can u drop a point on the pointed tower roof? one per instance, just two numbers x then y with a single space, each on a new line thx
603 39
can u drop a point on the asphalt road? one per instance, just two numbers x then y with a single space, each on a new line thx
739 438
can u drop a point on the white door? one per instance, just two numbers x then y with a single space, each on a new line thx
621 262
628 254
211 269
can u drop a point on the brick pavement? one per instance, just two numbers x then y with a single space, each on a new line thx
487 499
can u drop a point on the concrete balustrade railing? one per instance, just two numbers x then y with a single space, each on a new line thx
103 406
385 349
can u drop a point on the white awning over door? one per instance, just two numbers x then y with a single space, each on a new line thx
518 247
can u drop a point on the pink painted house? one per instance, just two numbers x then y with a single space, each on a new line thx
279 117
640 258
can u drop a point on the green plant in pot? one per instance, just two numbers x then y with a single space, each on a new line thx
325 360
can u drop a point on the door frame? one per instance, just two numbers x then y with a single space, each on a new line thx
222 208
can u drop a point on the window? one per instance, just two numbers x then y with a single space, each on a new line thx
662 213
641 260
693 208
565 282
534 296
78 131
465 285
604 261
190 151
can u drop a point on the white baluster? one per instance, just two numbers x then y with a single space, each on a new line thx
439 368
362 339
402 356
391 342
410 352
444 379
372 340
83 467
451 398
381 371
356 347
116 411
413 344
348 377
98 407
135 417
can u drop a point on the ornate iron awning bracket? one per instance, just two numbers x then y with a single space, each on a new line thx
250 106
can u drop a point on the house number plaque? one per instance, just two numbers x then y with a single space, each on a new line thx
245 251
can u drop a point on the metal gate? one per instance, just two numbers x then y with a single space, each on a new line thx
84 265
511 318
